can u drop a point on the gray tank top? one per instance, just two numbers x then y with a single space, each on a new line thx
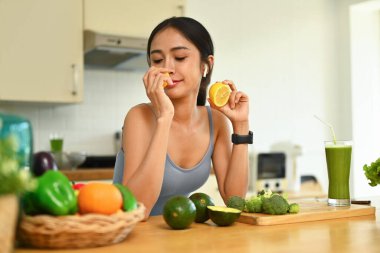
177 181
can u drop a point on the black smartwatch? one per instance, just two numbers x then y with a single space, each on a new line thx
242 139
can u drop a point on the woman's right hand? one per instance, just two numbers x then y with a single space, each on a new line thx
154 80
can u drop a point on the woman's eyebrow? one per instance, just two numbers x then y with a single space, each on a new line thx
159 51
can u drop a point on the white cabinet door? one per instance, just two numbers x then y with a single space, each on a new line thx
41 50
134 18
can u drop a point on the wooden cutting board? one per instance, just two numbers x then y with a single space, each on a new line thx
309 211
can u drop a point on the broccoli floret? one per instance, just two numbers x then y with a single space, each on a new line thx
294 208
276 204
264 193
236 202
372 172
254 205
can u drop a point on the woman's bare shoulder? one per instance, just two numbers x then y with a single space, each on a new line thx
140 113
218 117
140 110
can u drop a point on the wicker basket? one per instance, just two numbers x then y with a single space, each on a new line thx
78 231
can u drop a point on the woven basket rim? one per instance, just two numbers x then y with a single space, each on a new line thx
78 231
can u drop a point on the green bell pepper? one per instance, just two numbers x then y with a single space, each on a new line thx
53 195
129 200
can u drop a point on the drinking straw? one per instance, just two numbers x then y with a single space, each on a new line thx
329 125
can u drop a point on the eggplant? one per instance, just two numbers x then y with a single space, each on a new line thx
42 162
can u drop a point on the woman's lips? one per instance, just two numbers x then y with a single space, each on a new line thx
175 83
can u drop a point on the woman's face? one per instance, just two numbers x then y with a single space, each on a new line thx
170 49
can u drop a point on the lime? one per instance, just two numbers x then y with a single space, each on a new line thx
179 212
223 216
201 201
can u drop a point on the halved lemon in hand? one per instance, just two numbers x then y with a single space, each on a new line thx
165 83
219 93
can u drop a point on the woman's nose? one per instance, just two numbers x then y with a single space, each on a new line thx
169 64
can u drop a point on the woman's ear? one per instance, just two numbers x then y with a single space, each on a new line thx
208 65
210 61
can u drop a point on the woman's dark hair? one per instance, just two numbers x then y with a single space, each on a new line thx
199 36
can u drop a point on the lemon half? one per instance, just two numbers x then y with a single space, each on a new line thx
219 93
165 83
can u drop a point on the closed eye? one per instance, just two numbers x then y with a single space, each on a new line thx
157 61
180 58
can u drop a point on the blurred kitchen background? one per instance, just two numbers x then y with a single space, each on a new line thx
294 58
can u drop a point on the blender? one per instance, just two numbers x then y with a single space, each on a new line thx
16 141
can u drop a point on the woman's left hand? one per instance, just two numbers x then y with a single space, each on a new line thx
237 106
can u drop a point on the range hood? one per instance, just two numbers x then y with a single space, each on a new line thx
106 51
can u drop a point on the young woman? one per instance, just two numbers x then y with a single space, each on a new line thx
168 144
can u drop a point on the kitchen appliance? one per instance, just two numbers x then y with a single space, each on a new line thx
114 52
292 152
271 172
16 141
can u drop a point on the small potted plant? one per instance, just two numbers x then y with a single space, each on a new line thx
14 181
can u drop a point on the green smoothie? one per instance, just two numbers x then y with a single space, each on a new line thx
338 157
56 145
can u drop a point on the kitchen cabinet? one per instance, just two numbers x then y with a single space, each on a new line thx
129 17
41 51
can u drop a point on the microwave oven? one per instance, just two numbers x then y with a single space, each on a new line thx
271 172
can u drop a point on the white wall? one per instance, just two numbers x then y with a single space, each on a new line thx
365 69
290 56
295 59
282 53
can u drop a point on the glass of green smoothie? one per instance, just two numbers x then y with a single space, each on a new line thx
56 143
338 158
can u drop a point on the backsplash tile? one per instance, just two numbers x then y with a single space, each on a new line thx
89 126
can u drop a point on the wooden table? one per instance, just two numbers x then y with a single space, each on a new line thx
358 234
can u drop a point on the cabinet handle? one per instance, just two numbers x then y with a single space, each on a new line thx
75 79
181 10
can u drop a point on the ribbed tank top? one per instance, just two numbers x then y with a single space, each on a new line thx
177 181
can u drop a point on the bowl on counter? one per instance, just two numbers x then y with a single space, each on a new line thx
76 159
69 161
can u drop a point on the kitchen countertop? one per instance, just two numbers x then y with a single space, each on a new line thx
340 235
89 174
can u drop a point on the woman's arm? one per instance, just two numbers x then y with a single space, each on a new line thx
145 141
231 160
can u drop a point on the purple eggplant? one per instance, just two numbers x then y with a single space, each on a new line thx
42 162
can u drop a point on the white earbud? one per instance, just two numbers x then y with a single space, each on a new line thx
205 71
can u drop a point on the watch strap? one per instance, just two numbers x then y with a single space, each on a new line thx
242 139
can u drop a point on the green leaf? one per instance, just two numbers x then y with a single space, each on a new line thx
372 172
